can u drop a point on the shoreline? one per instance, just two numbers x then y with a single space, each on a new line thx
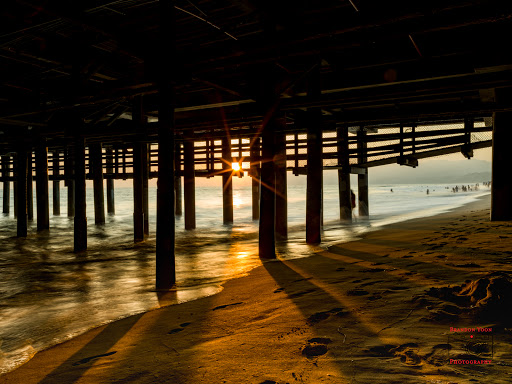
287 278
60 331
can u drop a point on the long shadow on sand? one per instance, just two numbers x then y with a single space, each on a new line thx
77 365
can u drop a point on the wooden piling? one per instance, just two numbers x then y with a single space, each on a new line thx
138 198
165 231
15 190
189 185
96 166
21 191
314 177
69 166
255 174
314 162
111 208
227 181
30 188
6 173
362 179
80 219
138 120
281 184
267 236
145 186
501 185
42 195
71 198
178 209
56 183
344 174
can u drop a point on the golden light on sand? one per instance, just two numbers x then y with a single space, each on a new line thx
236 166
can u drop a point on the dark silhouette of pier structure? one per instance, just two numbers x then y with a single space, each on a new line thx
138 89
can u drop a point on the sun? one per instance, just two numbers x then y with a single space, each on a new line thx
235 166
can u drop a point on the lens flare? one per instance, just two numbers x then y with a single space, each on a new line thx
236 166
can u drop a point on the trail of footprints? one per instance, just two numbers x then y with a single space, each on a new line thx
409 353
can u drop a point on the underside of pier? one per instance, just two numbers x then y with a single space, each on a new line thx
140 89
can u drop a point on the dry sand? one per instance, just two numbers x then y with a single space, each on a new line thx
362 312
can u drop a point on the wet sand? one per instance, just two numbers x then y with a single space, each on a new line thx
376 310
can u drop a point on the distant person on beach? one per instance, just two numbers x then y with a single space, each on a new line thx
391 189
428 191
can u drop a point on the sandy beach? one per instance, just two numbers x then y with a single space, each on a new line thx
397 306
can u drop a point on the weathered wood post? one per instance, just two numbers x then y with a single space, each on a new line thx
21 190
56 183
69 170
96 168
269 100
344 174
165 231
267 236
138 198
281 183
111 207
255 175
30 187
42 195
315 164
501 186
145 186
80 219
227 181
362 179
15 187
189 185
177 180
6 173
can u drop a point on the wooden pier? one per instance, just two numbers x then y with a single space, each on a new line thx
142 89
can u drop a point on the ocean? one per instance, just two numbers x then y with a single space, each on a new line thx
48 294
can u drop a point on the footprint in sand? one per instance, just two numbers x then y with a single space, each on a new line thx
357 292
439 355
87 359
176 330
225 306
412 265
381 351
316 347
408 354
319 316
